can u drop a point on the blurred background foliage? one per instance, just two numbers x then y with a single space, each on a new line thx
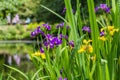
32 9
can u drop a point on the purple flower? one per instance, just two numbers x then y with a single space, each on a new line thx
102 33
103 6
52 41
46 43
58 42
60 25
61 36
48 36
33 34
41 50
67 27
97 8
87 29
107 10
71 43
51 45
60 78
39 31
48 27
65 78
66 37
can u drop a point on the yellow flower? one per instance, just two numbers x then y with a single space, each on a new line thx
90 49
43 56
93 58
112 30
102 29
86 42
87 48
37 54
82 49
102 38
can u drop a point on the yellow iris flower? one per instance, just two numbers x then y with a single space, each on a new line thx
102 38
86 47
93 58
43 56
38 53
112 30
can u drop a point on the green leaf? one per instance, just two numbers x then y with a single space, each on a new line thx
71 21
54 13
20 72
36 73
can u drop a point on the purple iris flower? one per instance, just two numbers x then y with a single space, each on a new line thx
66 37
61 36
36 32
60 78
51 45
107 10
71 43
47 26
103 6
97 8
58 42
39 31
86 28
67 27
65 78
102 33
60 25
33 34
48 36
46 43
41 50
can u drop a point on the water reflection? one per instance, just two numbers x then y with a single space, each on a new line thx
15 53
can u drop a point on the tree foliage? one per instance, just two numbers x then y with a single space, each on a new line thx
9 6
28 8
43 15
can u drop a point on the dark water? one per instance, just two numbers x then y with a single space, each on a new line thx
16 54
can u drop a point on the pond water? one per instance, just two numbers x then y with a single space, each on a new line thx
16 53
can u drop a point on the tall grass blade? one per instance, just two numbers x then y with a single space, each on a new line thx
113 6
71 20
24 75
44 78
36 74
94 34
1 74
11 77
54 13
